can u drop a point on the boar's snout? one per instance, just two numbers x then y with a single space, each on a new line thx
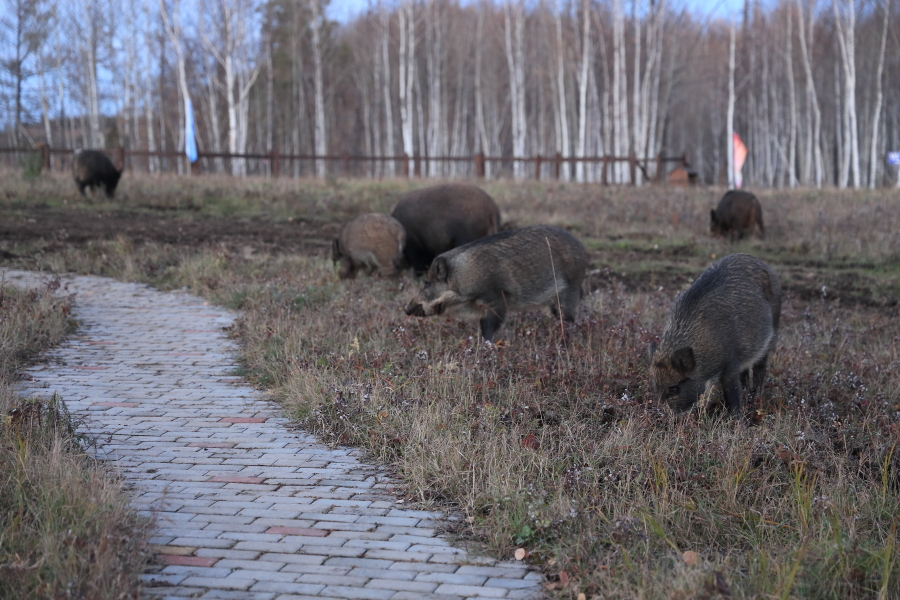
415 309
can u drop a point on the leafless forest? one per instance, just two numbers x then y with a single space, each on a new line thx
809 85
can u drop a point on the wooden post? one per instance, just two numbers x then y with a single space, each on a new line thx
346 165
632 168
537 168
405 168
659 168
417 165
276 163
479 165
557 164
45 157
120 156
604 177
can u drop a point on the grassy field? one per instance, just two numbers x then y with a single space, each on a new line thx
556 450
66 530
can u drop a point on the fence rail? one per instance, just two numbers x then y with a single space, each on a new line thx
602 169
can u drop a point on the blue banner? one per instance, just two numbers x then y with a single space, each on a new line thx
190 140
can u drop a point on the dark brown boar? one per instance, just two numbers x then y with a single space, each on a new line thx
517 269
738 215
442 217
372 242
721 330
92 168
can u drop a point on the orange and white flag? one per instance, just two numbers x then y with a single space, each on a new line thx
740 155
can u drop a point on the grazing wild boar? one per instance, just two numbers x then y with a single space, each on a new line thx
373 242
517 269
739 214
92 168
442 217
720 330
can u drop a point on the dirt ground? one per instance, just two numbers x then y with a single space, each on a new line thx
51 228
33 228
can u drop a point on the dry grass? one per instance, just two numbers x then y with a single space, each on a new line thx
560 450
66 530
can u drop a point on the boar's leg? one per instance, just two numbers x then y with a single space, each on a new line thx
418 257
492 321
759 374
731 390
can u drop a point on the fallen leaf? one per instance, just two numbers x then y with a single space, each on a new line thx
564 578
581 596
521 554
690 558
529 441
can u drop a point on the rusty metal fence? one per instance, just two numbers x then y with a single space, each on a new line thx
601 169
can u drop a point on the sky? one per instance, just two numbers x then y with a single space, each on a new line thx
344 10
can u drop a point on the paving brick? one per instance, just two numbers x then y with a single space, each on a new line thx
247 509
470 591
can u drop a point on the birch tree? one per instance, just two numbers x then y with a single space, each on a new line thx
562 120
515 58
586 67
846 35
876 111
406 71
318 20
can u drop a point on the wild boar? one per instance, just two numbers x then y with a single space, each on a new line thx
518 269
739 214
721 329
92 168
442 217
373 242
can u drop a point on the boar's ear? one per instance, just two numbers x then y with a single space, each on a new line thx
440 269
651 350
683 360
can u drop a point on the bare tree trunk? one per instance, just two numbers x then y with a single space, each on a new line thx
587 55
619 92
876 111
814 131
515 59
729 119
391 148
792 131
321 139
846 35
435 57
406 71
482 135
562 118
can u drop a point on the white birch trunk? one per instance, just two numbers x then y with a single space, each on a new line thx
390 146
846 35
406 72
514 34
319 83
587 54
876 111
562 118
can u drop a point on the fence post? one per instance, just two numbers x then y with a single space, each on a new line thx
659 168
417 165
537 168
632 168
479 165
120 155
346 165
405 169
556 166
276 163
604 176
45 157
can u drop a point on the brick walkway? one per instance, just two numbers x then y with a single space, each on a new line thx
246 508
